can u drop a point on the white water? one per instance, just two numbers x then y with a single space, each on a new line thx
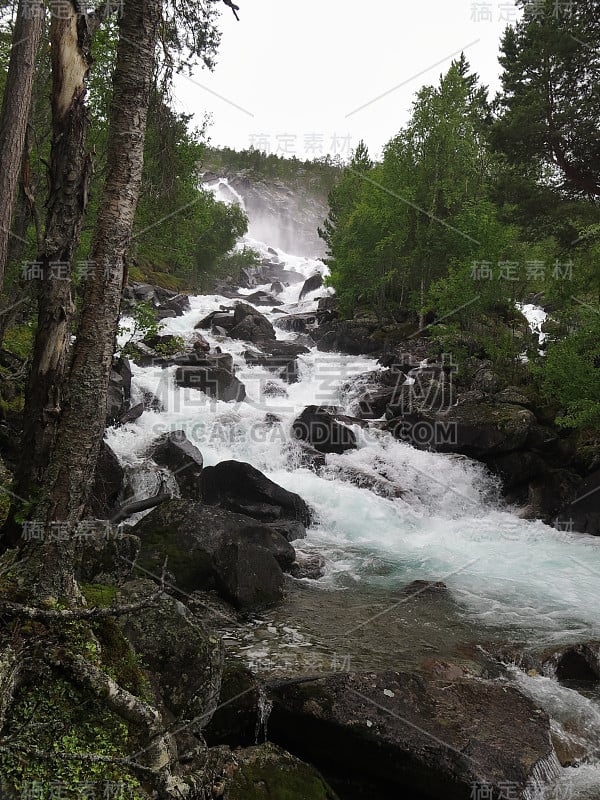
532 581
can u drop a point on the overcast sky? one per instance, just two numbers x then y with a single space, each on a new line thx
303 76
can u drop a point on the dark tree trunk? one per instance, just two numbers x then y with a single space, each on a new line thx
15 112
81 428
70 169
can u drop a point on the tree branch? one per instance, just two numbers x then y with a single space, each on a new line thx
233 7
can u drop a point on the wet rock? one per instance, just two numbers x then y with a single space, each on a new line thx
222 318
279 358
310 566
145 356
421 587
211 548
424 736
235 719
213 375
290 529
373 403
298 323
102 559
578 662
135 412
517 469
151 402
200 344
582 514
276 272
174 451
359 336
476 430
116 402
174 306
184 661
250 325
108 483
271 389
266 771
363 478
277 287
318 426
242 488
263 299
311 284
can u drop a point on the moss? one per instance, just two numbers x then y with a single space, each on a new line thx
120 661
99 595
188 566
19 340
53 716
272 774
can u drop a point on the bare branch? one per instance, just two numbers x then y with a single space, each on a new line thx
233 7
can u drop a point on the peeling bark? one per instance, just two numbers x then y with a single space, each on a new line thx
16 103
81 428
70 169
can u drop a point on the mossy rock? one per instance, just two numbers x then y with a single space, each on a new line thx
269 773
53 716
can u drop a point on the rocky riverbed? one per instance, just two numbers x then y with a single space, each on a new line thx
358 548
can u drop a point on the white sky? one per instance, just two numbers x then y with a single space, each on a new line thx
299 68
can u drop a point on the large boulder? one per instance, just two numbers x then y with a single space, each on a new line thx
267 771
263 299
583 513
250 325
426 737
319 428
280 358
223 319
211 548
477 430
298 323
104 555
311 284
240 487
236 717
107 486
183 661
174 306
174 451
212 374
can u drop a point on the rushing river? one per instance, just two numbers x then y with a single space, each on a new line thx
510 580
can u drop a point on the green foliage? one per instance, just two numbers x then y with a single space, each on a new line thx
232 264
570 371
397 227
145 324
19 340
550 105
319 174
